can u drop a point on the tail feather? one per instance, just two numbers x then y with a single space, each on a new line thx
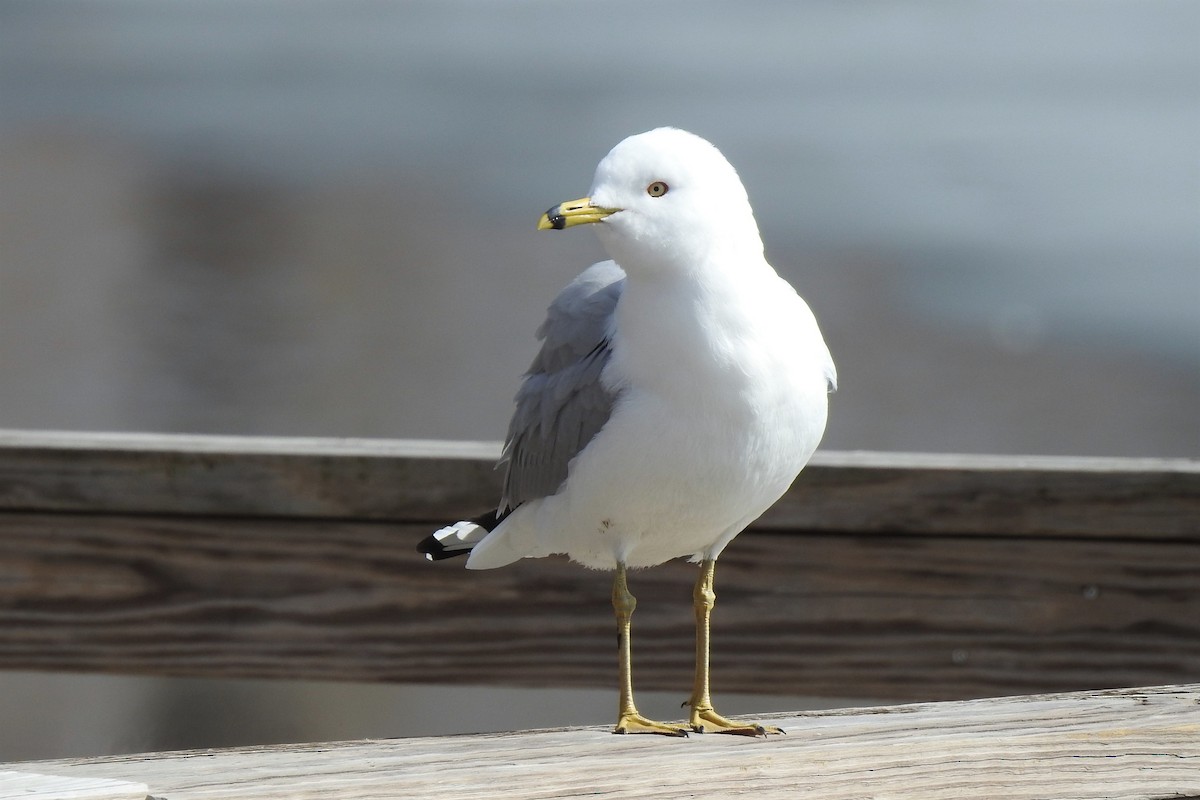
459 538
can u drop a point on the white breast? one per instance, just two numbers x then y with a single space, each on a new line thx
723 400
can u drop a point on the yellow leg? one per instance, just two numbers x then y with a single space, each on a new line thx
703 718
628 718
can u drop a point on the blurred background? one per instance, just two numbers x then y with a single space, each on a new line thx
317 218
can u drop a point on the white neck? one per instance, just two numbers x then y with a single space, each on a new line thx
679 331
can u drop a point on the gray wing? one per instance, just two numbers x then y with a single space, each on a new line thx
562 404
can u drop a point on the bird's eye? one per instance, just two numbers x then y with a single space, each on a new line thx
657 189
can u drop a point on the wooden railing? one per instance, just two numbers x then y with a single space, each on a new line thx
878 575
887 576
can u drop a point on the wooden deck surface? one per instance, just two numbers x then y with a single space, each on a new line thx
1134 744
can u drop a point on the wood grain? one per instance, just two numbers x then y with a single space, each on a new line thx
32 786
233 476
879 575
411 481
871 615
1138 744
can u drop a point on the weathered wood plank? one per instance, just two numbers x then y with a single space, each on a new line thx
32 786
890 616
433 481
245 476
904 576
993 496
1139 744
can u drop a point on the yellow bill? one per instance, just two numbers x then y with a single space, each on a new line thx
573 212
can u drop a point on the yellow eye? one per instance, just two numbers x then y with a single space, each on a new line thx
657 189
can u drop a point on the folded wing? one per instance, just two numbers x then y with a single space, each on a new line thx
562 402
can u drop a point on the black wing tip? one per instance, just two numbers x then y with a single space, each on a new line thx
433 546
434 550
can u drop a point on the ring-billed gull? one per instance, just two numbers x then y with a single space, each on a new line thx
679 390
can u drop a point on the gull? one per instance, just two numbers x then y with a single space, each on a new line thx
679 390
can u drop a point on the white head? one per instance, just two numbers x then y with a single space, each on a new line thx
664 200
